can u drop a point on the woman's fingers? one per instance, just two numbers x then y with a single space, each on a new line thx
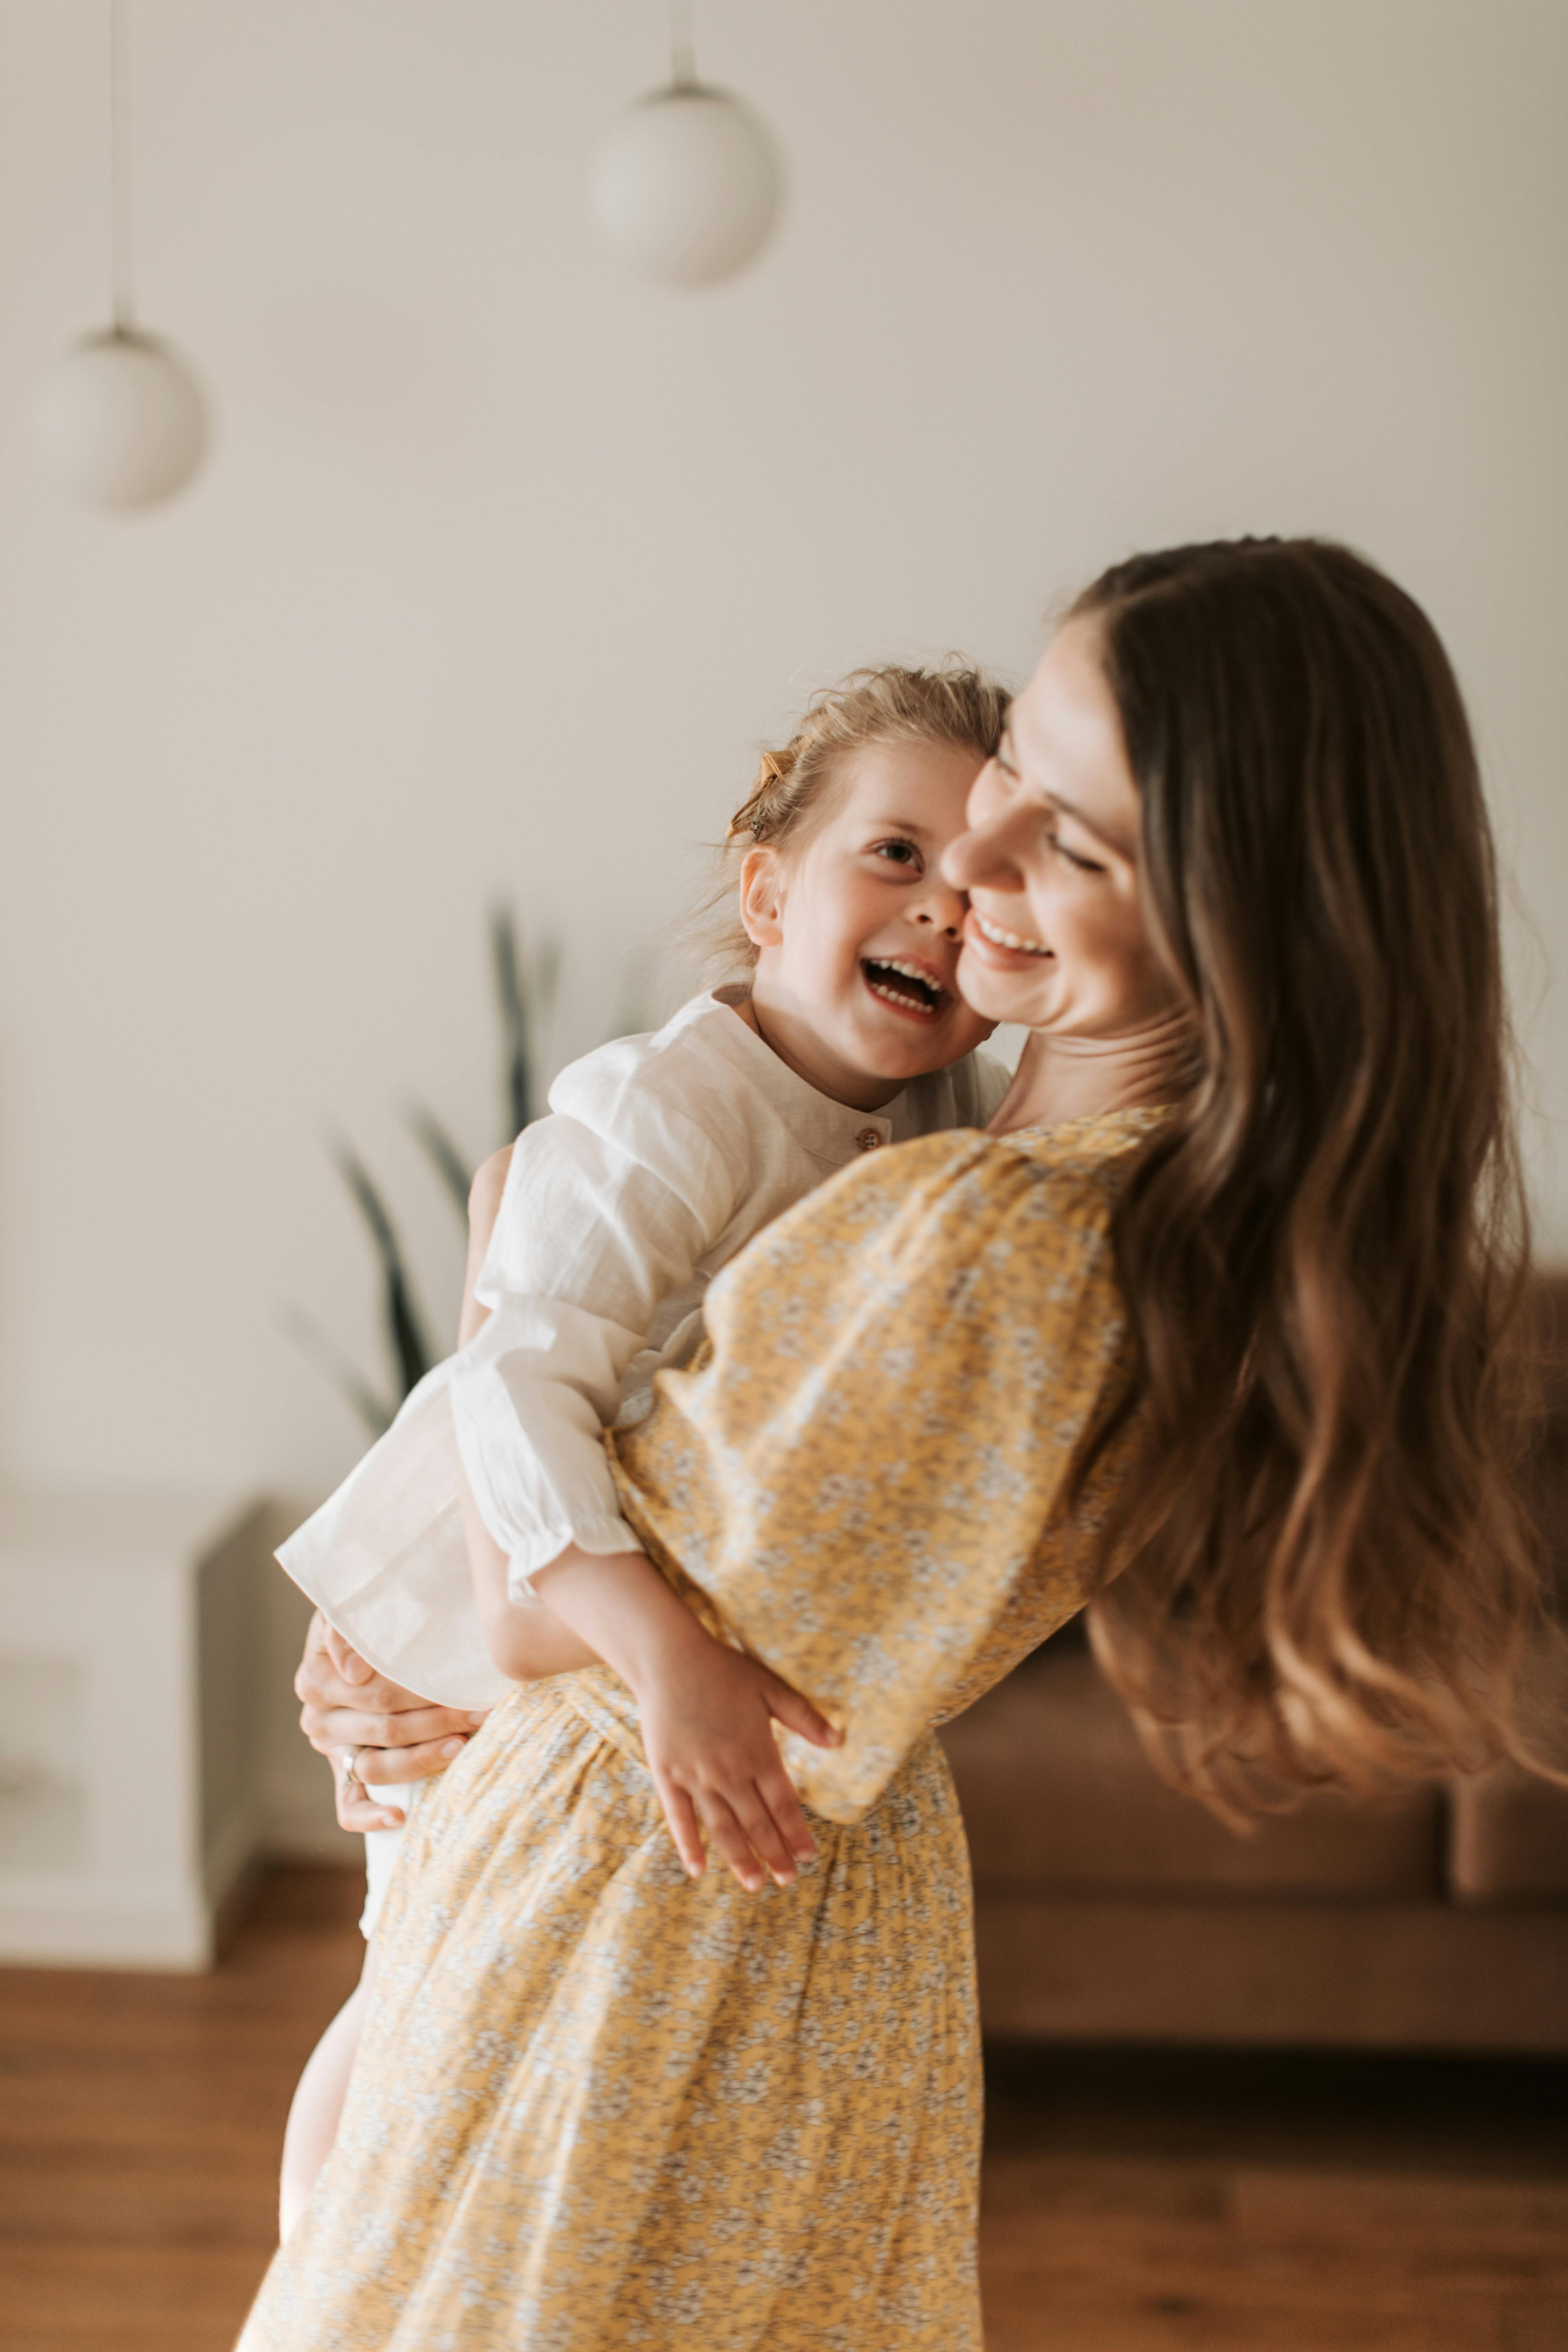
361 1811
321 1686
327 1728
797 1713
381 1767
362 1803
682 1815
361 1816
319 1683
347 1660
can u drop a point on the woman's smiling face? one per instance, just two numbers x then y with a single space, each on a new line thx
1056 936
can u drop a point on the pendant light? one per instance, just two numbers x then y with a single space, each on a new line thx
687 183
117 418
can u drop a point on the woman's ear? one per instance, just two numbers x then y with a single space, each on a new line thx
761 898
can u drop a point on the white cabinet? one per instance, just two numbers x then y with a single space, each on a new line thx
132 1635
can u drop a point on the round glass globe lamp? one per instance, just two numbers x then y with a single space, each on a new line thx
118 420
687 185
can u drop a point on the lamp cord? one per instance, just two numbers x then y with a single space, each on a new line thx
122 303
682 46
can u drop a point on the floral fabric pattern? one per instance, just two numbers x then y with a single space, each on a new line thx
600 2104
865 1478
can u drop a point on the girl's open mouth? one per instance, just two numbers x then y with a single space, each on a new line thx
904 986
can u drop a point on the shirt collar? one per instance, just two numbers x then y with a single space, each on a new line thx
829 1130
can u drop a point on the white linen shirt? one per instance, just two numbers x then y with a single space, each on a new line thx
661 1158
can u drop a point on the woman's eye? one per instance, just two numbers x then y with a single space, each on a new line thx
1084 864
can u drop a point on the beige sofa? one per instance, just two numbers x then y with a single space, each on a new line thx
1106 1907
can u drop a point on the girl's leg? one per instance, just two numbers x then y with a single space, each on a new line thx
318 2104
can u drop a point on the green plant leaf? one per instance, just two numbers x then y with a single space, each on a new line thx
409 1345
443 1154
525 996
340 1368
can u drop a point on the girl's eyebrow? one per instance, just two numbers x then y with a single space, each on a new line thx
898 824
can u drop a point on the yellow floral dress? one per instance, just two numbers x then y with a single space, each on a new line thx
600 2104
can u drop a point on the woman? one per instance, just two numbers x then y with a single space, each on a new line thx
1208 1329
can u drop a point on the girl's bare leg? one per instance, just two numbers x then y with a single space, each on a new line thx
317 2106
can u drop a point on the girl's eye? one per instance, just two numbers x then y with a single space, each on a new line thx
899 852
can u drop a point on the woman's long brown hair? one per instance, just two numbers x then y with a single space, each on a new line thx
1326 1572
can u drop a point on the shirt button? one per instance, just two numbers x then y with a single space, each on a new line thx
868 1139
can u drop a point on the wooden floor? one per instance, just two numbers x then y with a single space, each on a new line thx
1133 2204
1204 2204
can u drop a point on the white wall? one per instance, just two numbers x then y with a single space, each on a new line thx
504 561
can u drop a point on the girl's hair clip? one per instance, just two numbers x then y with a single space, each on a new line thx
754 819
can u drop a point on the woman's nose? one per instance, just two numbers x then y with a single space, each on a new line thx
941 907
985 856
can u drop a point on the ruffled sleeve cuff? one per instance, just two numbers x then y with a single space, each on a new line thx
598 1534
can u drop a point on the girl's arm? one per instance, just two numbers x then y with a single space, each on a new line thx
707 1711
526 1643
484 1206
873 1475
596 1226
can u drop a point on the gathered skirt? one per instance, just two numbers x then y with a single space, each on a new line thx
598 2103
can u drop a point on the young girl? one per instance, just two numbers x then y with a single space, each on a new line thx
662 1157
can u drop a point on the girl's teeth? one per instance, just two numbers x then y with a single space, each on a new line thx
929 1002
1009 938
895 996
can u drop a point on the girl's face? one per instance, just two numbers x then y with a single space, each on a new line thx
859 935
1054 937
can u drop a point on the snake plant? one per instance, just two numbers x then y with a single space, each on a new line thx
525 986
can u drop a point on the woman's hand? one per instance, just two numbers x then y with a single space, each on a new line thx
400 1736
707 1715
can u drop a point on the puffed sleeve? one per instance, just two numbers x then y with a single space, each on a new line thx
864 1480
594 1231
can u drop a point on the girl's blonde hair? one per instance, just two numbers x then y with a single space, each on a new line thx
793 792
